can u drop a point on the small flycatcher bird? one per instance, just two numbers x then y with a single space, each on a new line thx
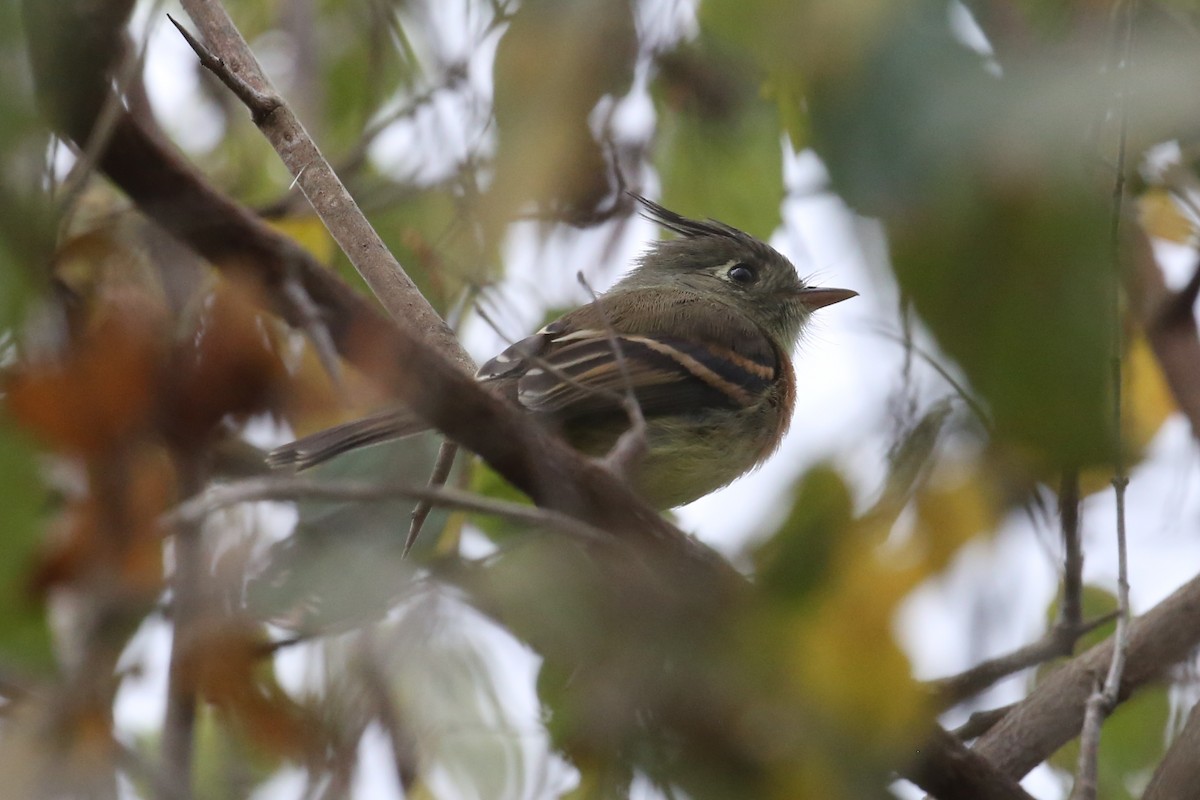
704 325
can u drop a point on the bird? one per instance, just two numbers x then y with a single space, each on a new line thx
699 334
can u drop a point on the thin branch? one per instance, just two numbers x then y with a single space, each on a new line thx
236 65
1104 698
287 488
403 741
981 722
911 347
1053 712
315 329
1071 612
1057 642
187 591
630 447
437 478
261 104
454 76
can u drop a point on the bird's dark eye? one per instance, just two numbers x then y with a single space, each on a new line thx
743 274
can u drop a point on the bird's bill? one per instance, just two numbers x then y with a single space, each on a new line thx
816 297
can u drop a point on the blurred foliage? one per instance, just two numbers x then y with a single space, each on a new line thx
24 634
135 369
719 147
554 64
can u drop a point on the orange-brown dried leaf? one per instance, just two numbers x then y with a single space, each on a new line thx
149 492
110 266
226 664
229 366
113 532
72 548
98 395
312 401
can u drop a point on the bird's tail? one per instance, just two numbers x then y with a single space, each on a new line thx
321 446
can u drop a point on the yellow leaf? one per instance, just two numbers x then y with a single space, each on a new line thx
1148 399
310 233
846 661
1146 403
948 516
1162 218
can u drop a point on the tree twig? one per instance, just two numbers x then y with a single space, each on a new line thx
447 452
187 591
980 723
291 488
1071 612
1104 698
229 57
1057 642
630 447
1053 712
402 739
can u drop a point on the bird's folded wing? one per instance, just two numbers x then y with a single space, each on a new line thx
572 373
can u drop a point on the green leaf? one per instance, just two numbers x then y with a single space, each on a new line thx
795 561
729 169
999 235
24 634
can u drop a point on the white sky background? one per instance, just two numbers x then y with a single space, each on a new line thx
994 597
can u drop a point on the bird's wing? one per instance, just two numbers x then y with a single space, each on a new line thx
568 371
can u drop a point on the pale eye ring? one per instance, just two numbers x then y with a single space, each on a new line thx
742 274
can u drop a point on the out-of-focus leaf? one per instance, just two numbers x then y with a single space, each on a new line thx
114 530
796 561
832 585
1014 287
97 396
72 47
718 148
728 169
224 767
310 233
225 663
27 224
1146 404
847 663
226 366
24 636
554 63
1148 398
949 514
437 238
485 481
1161 217
813 39
998 237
